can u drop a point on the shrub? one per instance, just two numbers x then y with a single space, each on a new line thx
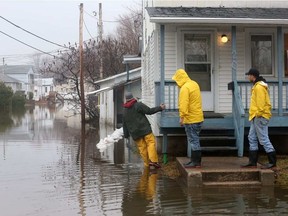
6 94
18 100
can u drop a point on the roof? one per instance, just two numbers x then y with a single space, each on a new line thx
218 15
16 69
8 79
135 73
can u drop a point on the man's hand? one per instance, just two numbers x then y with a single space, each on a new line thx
181 121
162 106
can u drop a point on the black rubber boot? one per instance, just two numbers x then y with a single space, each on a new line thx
195 160
272 160
253 159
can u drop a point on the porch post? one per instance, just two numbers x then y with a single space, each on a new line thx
234 53
280 61
162 87
162 63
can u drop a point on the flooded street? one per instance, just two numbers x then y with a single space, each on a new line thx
45 171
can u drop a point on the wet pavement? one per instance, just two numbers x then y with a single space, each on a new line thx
44 170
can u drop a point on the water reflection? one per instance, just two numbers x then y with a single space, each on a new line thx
50 166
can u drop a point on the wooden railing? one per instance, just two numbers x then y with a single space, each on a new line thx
278 103
171 92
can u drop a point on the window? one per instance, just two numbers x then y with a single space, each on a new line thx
197 59
286 54
262 53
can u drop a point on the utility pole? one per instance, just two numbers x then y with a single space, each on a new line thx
81 64
100 32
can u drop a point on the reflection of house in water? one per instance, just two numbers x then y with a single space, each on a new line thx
23 129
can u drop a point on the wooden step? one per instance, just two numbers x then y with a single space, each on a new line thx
216 138
233 183
218 148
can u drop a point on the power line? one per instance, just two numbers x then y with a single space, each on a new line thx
26 44
87 29
31 33
111 21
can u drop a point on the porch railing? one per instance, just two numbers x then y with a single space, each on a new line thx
171 92
245 92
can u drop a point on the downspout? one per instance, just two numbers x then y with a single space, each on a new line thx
127 70
234 54
162 63
280 54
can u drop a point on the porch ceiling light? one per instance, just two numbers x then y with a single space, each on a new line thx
224 38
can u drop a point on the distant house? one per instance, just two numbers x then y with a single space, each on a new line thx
23 73
42 87
16 85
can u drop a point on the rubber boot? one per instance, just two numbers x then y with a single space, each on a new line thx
253 159
195 160
272 160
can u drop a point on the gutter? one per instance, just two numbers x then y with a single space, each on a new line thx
200 20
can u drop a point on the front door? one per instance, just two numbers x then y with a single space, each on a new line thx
198 64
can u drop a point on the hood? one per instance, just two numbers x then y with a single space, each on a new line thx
261 81
130 103
180 77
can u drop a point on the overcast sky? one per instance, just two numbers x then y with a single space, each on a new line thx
57 21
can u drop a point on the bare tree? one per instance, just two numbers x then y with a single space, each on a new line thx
65 68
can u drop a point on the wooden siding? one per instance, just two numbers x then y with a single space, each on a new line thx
150 73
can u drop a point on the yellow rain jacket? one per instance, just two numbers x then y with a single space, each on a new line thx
190 101
260 105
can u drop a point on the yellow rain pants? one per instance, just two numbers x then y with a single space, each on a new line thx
147 149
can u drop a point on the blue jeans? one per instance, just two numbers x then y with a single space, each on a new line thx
259 132
192 132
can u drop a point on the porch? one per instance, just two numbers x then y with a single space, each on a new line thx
223 131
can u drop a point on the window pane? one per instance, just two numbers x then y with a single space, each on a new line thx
197 48
201 74
261 53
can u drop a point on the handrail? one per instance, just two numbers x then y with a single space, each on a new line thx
238 118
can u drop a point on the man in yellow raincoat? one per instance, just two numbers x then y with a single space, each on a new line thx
191 114
259 115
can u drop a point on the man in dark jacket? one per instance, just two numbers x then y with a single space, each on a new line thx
136 124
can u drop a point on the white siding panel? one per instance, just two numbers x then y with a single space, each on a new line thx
150 73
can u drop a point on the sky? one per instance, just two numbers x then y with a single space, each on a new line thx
56 21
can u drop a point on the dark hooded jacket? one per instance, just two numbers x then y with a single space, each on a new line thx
135 122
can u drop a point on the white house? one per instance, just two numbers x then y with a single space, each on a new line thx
42 87
216 42
11 82
23 73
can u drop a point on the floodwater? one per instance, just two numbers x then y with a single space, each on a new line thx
46 169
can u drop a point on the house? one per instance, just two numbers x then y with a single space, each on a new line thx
42 87
11 82
111 95
23 73
216 42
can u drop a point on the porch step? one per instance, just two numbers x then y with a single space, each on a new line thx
233 183
224 171
216 143
219 148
